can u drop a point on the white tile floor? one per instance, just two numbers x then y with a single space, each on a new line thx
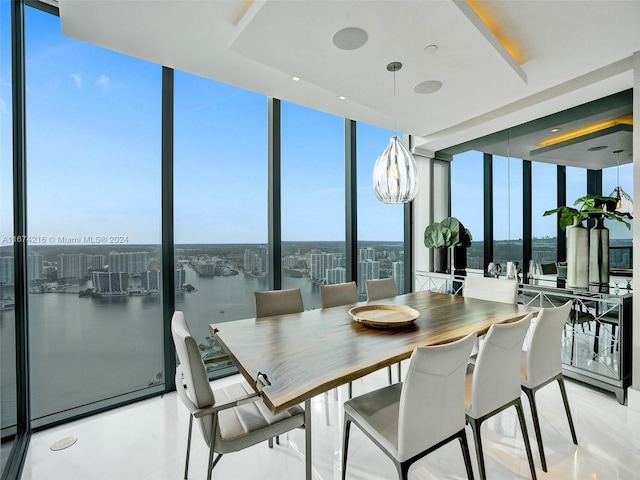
147 441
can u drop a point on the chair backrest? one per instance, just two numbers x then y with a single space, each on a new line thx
339 294
496 375
194 373
382 288
496 289
543 359
432 398
278 302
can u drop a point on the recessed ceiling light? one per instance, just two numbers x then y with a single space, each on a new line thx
430 86
295 79
429 49
554 130
596 149
341 97
350 38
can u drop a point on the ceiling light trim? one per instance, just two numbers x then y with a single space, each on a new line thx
477 22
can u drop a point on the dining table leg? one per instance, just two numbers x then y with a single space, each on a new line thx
307 438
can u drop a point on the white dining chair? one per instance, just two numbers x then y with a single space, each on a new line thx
494 383
495 289
231 418
278 302
381 288
541 364
339 294
412 419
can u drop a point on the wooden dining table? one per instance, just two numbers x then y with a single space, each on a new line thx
291 358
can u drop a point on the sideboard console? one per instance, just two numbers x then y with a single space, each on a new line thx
596 344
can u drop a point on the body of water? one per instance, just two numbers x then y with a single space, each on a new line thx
84 350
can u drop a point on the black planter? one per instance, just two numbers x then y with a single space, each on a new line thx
441 262
459 259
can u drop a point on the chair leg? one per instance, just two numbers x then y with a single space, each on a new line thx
403 470
345 446
211 463
389 372
277 439
186 463
536 425
565 400
399 372
475 428
270 443
525 435
464 445
350 390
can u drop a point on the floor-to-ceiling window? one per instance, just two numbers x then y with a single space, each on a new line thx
620 237
312 180
507 211
93 185
467 196
220 206
380 226
544 245
8 405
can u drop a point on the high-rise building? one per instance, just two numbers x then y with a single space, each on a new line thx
73 265
110 282
336 275
398 275
367 270
365 254
133 263
6 270
150 281
35 261
319 263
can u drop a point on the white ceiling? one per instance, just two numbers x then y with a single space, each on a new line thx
571 52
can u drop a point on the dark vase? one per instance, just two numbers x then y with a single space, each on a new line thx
599 254
459 259
441 260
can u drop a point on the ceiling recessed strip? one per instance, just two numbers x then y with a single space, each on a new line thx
586 130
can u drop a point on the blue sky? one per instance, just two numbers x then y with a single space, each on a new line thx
94 171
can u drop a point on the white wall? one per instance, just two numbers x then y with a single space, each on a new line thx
634 391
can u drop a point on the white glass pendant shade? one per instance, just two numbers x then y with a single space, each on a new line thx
395 174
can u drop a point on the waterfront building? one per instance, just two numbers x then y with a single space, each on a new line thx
336 275
320 262
107 283
398 275
6 270
133 263
72 265
35 264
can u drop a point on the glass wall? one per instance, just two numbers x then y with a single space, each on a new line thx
380 226
620 238
467 201
544 187
8 405
313 196
93 184
507 210
220 206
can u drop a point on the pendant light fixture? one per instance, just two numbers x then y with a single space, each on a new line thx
395 174
624 204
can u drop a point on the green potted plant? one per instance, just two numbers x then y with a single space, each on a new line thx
588 251
441 236
589 206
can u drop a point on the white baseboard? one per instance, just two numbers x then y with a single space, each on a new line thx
633 399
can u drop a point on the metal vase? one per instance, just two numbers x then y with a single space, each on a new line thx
441 262
578 256
599 254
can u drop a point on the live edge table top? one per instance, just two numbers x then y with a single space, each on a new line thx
308 353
